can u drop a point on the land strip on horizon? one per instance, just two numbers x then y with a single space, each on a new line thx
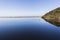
19 16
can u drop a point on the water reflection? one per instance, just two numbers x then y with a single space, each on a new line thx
28 29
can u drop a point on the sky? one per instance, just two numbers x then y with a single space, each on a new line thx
27 7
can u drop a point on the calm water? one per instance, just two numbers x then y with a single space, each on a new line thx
28 29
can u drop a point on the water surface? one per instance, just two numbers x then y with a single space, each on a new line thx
28 28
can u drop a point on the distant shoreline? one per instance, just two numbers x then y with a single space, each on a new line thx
19 16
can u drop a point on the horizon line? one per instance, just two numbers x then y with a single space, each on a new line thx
20 16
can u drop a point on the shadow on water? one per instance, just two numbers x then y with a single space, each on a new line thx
29 29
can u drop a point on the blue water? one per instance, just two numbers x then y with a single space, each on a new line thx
28 29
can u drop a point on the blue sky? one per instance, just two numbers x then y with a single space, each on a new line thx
27 7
